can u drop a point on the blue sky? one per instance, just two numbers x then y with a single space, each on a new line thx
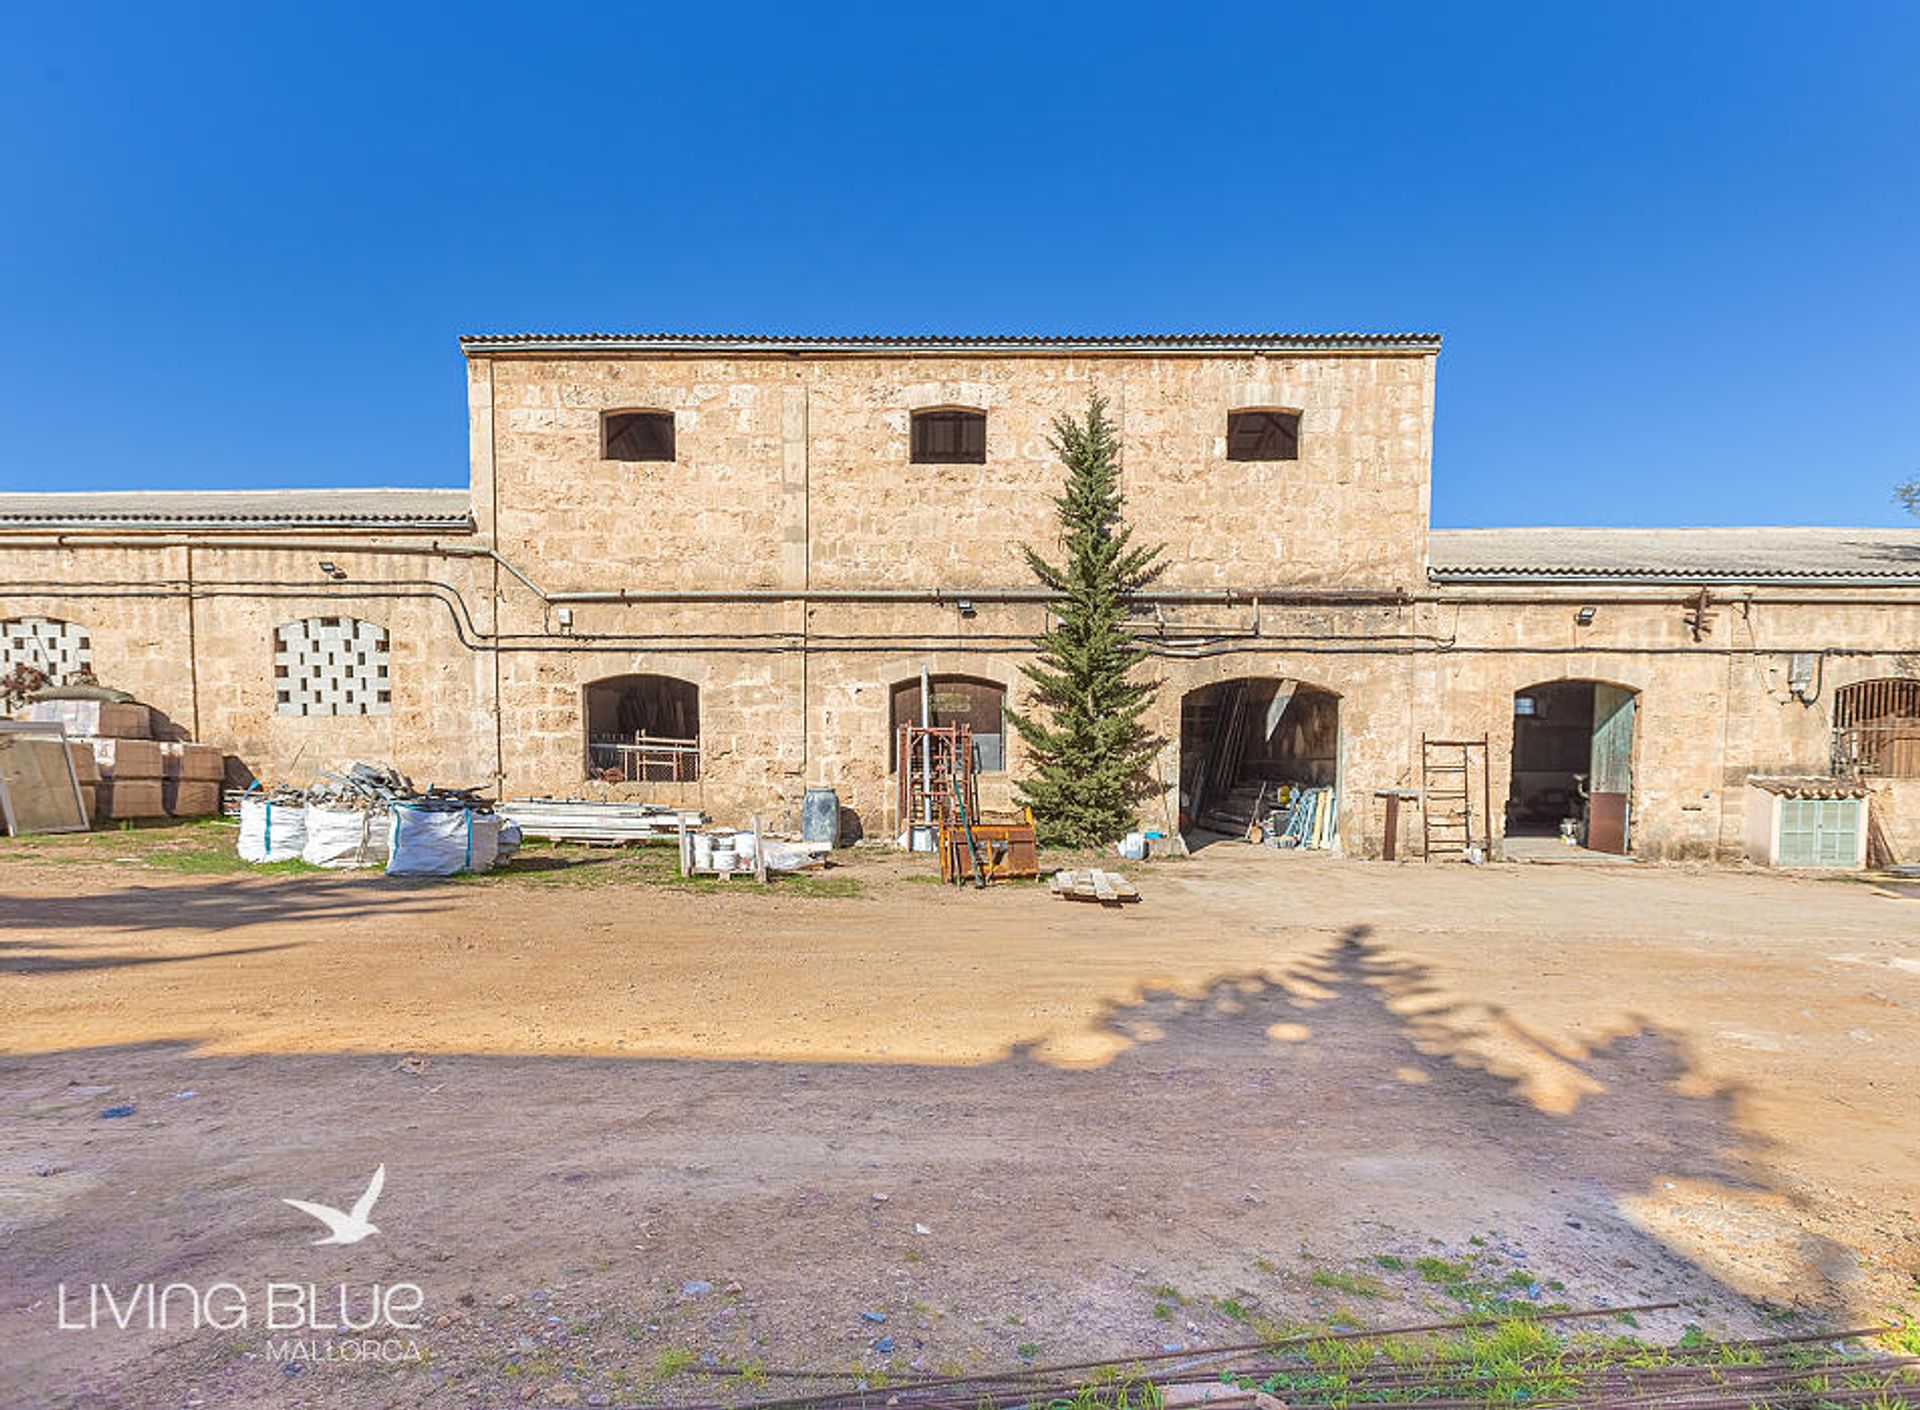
1674 248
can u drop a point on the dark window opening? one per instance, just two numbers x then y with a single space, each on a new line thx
637 435
643 729
1263 435
956 700
1876 729
950 438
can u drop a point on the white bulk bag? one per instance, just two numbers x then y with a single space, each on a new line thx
430 842
344 838
271 832
510 837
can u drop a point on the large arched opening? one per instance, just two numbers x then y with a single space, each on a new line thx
643 729
1260 756
1573 764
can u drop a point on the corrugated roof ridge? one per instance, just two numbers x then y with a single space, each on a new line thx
833 340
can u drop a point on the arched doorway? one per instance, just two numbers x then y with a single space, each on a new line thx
1261 752
1573 764
643 729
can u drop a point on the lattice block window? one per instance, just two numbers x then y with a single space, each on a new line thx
60 649
331 666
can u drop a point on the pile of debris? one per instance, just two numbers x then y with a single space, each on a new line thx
123 770
371 816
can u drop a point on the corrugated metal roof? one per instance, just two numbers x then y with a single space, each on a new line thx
178 510
1694 556
942 342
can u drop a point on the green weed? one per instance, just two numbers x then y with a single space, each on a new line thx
1354 1284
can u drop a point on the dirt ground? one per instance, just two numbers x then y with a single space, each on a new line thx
638 1137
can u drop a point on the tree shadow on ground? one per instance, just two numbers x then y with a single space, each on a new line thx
1340 1107
31 957
220 905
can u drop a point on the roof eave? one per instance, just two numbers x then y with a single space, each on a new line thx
1605 578
474 344
159 525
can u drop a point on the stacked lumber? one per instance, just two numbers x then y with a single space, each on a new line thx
1109 888
1236 812
585 820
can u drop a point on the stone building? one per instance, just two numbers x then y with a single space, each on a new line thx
718 566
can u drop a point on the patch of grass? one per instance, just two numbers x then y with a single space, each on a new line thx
645 864
1443 1270
1390 1262
1231 1307
672 1361
1027 1350
1355 1284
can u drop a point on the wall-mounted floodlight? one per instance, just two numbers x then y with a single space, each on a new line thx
332 570
1584 616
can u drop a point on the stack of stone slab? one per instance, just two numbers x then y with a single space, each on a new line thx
129 778
190 778
126 773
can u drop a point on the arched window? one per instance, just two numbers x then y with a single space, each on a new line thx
636 435
1263 435
60 651
956 700
950 437
1876 729
331 666
643 729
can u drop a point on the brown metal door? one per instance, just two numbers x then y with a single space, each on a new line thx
1607 822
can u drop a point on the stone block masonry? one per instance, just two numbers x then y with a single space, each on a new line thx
791 571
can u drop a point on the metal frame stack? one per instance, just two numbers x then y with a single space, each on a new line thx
935 764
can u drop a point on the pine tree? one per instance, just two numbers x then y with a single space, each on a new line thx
1089 752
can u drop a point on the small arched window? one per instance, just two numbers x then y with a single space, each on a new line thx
1263 435
60 651
331 666
636 435
1876 729
951 437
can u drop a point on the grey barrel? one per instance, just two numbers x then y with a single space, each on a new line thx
820 816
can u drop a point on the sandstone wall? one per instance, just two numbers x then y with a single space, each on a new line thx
794 471
208 661
792 695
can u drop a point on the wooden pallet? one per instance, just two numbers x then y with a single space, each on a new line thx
1109 888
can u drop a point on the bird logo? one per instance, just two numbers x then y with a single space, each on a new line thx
351 1227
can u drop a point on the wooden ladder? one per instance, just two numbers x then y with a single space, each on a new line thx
1448 824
